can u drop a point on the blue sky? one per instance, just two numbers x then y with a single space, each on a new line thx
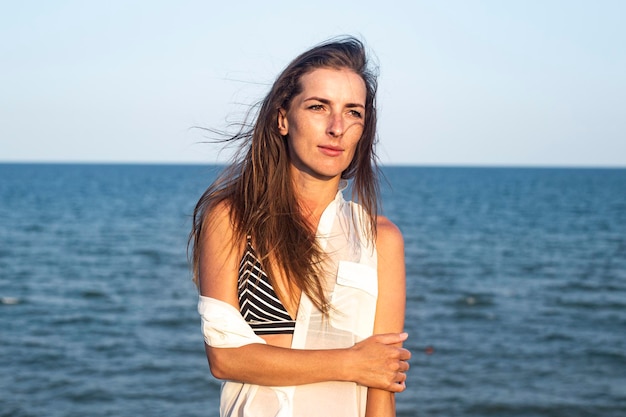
461 82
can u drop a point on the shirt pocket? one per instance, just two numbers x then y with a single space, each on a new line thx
354 299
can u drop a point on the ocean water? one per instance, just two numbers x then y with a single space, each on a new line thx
516 291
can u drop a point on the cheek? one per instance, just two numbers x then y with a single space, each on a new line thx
296 147
298 129
356 136
358 142
352 154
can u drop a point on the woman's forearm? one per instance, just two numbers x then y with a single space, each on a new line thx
380 403
375 362
275 366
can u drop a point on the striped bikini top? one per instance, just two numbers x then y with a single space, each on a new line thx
258 302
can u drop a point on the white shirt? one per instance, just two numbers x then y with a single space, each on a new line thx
352 282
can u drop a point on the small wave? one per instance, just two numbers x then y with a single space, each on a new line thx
10 300
173 322
34 228
93 294
616 358
587 304
83 319
557 337
584 286
90 395
474 315
475 300
109 344
548 409
153 256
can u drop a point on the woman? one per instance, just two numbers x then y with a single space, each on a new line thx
293 279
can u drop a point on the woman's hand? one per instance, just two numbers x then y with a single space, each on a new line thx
377 363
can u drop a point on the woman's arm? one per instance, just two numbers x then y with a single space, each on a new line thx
390 305
377 361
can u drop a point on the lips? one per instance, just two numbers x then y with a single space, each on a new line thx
330 150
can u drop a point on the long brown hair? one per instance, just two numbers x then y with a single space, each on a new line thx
258 189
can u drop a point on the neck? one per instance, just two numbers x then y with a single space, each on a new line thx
314 196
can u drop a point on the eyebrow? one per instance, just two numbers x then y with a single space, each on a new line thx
326 101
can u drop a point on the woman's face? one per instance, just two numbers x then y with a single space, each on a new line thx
324 123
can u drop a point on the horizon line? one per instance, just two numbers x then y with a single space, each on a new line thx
382 165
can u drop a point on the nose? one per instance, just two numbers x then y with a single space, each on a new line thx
335 125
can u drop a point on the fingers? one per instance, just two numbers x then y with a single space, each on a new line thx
404 354
392 381
391 338
399 378
396 378
399 384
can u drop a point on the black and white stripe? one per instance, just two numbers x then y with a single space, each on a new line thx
258 303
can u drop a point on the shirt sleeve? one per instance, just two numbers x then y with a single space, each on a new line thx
223 326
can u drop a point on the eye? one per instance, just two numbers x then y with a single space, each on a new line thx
356 113
316 107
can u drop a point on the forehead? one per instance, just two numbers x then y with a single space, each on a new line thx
331 83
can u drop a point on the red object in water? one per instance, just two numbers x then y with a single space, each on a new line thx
429 350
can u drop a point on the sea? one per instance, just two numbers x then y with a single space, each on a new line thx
516 291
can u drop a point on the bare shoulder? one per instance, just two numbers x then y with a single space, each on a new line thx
388 236
218 260
218 216
218 230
